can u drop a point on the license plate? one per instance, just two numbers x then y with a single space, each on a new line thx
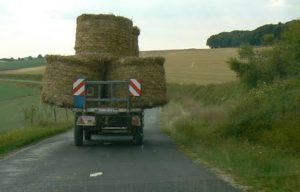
86 121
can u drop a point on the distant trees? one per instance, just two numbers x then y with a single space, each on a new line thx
263 35
255 66
20 58
7 59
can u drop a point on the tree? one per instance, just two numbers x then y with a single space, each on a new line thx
268 39
254 67
289 48
263 35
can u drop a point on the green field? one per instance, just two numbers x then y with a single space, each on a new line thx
24 119
14 99
20 64
20 106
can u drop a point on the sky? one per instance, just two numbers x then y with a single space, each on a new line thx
32 27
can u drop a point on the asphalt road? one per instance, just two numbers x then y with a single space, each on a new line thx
107 164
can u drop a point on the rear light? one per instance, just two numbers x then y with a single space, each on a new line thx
136 120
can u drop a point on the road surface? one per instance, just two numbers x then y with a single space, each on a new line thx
107 164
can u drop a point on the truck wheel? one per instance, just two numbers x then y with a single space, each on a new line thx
78 135
87 135
138 137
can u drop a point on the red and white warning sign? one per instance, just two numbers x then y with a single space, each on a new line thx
79 87
135 88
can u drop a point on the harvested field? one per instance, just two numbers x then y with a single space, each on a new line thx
29 70
196 66
150 70
107 35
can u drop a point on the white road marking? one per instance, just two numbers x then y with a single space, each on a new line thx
96 174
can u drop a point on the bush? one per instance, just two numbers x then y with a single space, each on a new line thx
268 115
255 67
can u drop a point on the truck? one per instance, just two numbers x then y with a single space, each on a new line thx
100 109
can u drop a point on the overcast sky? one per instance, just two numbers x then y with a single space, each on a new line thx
32 27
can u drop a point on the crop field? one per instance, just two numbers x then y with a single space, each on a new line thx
20 104
196 66
20 64
14 98
30 70
190 66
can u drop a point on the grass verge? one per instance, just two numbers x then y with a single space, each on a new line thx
194 120
17 138
24 119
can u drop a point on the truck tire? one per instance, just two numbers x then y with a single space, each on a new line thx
87 135
138 137
78 135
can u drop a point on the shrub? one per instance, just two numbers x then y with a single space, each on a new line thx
268 115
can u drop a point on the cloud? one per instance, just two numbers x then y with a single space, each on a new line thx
277 3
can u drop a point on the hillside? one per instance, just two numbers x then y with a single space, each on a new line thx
196 66
189 66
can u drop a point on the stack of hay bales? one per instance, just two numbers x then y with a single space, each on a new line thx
105 35
106 49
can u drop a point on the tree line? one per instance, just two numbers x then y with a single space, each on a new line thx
264 35
21 58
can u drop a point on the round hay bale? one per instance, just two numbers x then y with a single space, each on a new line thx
150 71
104 35
61 71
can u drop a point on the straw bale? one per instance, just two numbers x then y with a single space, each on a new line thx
104 35
60 73
135 41
150 71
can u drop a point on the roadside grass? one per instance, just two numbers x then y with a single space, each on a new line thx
194 120
24 119
16 138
